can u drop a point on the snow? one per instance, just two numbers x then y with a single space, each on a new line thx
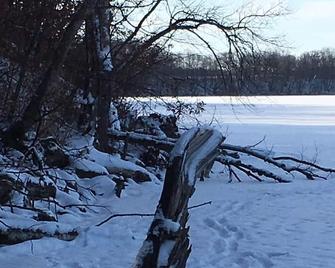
114 117
183 141
87 165
114 164
248 224
164 253
194 161
272 110
286 225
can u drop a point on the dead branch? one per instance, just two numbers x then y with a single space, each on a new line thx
266 158
144 214
200 205
230 156
307 163
250 170
165 144
125 215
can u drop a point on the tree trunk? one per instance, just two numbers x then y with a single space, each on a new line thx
14 135
98 35
167 243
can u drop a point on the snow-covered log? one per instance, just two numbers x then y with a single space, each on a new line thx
115 165
167 243
230 156
10 236
162 143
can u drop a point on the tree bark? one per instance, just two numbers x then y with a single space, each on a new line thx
167 243
100 56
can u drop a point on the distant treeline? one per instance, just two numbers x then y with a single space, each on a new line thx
266 73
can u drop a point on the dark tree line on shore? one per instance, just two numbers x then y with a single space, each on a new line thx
263 73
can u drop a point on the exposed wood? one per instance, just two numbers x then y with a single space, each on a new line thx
167 243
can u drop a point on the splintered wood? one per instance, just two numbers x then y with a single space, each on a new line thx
167 243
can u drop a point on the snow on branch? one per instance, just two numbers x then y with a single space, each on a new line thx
230 156
309 171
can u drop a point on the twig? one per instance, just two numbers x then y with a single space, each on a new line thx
256 144
200 205
5 224
248 173
144 214
125 215
290 158
231 171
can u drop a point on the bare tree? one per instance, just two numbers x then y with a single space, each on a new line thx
14 135
239 32
124 32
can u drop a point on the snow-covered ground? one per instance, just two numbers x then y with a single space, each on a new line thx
248 224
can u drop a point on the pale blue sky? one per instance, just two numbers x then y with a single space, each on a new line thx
311 25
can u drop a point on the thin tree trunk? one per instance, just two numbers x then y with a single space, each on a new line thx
99 43
15 134
29 52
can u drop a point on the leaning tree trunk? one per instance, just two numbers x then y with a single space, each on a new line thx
14 135
167 243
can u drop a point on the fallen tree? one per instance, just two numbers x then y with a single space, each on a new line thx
11 235
231 157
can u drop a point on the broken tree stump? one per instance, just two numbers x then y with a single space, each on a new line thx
167 243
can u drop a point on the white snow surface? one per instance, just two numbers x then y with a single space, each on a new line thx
248 224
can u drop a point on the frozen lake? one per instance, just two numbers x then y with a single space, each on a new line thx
290 124
273 110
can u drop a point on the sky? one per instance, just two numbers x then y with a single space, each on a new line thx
310 26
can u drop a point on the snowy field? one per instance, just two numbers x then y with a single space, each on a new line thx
248 224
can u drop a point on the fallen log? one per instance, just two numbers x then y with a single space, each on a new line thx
165 144
14 235
229 153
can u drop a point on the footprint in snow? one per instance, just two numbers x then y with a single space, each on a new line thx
226 247
220 229
227 235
